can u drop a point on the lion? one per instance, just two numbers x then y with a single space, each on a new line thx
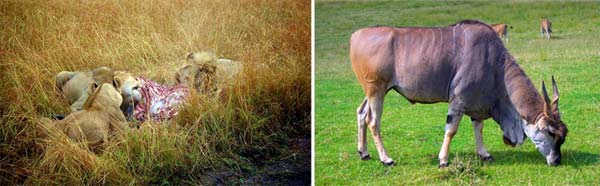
205 72
129 87
199 76
73 85
99 119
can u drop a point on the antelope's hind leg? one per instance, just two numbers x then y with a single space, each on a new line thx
362 114
375 101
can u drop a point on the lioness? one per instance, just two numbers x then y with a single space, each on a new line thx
206 72
546 27
99 118
502 30
129 87
74 85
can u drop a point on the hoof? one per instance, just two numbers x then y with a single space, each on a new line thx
391 163
364 158
367 157
443 165
487 159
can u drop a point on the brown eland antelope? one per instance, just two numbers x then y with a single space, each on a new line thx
546 27
464 64
502 30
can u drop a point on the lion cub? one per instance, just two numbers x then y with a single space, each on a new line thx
99 119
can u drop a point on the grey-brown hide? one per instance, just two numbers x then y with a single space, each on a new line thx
464 64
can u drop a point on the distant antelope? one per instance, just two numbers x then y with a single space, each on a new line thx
464 64
502 30
546 27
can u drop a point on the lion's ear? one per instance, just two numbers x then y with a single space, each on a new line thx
117 82
92 87
177 76
190 56
93 90
62 78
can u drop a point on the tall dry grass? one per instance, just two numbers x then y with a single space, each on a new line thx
250 123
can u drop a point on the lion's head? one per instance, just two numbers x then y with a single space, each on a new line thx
198 76
129 87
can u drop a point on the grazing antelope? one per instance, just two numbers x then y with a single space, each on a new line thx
546 27
502 30
464 64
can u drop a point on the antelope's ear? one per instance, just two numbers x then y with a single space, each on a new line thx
547 109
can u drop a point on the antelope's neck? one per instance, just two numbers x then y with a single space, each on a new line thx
523 95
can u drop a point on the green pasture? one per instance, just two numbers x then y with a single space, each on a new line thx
413 133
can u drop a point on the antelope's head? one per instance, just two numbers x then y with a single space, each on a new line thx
549 132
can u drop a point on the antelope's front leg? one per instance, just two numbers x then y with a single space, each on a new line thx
452 122
481 150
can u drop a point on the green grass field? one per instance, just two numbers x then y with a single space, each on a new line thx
413 133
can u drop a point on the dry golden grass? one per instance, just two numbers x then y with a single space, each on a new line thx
269 105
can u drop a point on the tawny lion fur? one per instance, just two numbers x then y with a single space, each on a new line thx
74 85
99 120
206 72
128 86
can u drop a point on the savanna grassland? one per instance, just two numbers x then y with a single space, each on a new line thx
413 133
254 133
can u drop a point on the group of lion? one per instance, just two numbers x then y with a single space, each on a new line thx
101 100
